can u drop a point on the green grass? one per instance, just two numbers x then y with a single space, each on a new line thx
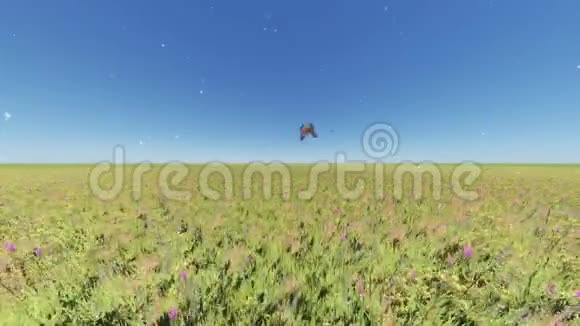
277 262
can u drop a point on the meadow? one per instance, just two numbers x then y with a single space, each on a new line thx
509 257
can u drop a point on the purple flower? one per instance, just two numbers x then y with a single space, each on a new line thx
173 314
10 247
578 294
343 237
183 276
467 251
37 252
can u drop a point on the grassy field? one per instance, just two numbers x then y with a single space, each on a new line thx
509 257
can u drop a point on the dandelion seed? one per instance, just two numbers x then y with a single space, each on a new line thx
467 251
173 314
37 252
10 247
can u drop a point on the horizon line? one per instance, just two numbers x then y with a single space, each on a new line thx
292 163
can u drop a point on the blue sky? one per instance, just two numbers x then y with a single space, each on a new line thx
487 81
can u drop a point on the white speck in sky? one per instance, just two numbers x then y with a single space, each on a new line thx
483 133
141 143
265 28
275 30
386 8
7 116
176 136
162 45
201 91
578 66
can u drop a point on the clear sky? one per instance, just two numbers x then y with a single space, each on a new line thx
487 81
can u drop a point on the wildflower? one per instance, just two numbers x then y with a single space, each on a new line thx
183 276
360 287
173 314
467 251
10 247
37 252
578 294
551 289
343 237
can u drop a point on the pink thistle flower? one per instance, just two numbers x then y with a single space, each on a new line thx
37 252
173 314
183 276
467 251
10 247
